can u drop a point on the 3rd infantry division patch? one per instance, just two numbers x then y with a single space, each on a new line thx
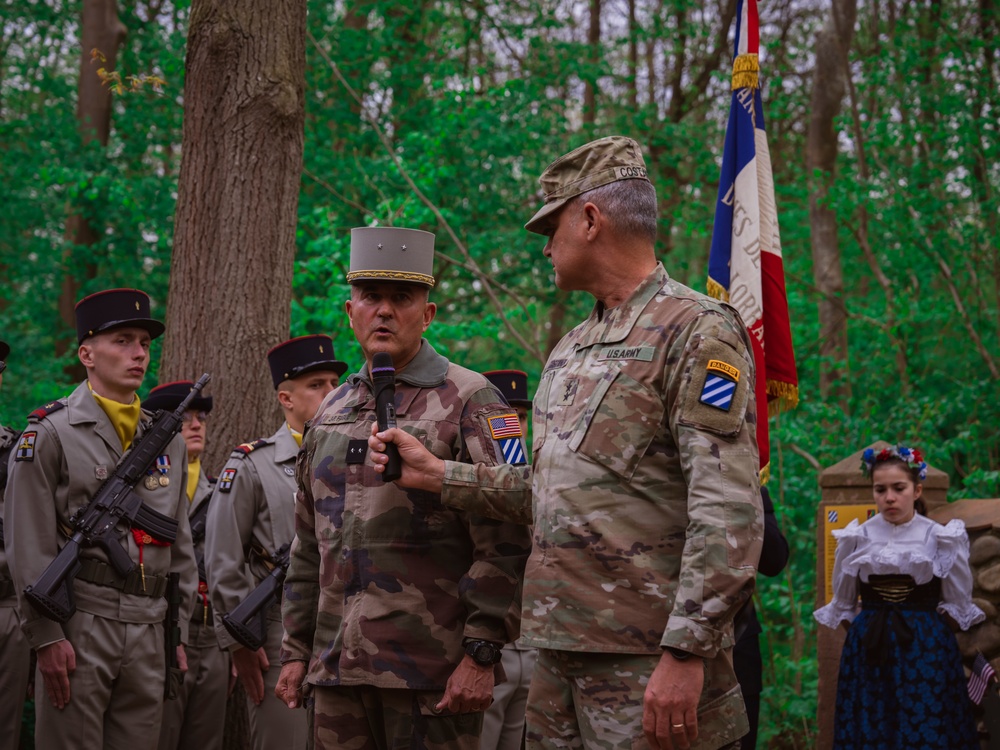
720 384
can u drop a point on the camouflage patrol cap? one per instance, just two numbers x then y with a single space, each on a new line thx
593 165
392 254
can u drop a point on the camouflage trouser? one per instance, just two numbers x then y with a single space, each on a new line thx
369 718
591 701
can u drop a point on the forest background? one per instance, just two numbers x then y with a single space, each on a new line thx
882 120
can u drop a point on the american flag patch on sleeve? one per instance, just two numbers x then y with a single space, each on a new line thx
505 426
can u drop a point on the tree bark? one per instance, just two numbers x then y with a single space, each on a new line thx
234 244
594 55
832 44
101 30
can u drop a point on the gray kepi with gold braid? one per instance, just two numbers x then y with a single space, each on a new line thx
392 254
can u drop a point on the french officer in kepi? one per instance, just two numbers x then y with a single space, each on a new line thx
253 514
196 718
103 671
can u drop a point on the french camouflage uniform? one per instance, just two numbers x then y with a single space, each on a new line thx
251 516
68 449
385 583
15 653
196 718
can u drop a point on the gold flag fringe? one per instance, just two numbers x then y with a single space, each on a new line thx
765 474
787 397
745 72
715 289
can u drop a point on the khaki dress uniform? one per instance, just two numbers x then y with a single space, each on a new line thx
251 516
196 719
15 653
116 692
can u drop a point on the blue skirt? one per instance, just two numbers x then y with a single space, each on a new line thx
916 698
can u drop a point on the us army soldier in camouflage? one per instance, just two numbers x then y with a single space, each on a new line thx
647 512
395 606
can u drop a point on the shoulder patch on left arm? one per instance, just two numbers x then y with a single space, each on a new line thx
717 393
25 450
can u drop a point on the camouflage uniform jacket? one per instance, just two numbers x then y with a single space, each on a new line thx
252 511
385 583
647 511
7 444
57 467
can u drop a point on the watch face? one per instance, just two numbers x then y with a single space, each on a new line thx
486 654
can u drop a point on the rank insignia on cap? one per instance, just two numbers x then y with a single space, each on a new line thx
26 447
505 426
720 384
513 451
226 480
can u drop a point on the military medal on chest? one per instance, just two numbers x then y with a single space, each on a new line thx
163 466
150 482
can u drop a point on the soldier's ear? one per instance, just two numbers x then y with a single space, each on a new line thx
347 309
86 354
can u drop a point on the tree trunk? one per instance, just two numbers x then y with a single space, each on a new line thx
594 47
633 59
832 44
234 244
100 30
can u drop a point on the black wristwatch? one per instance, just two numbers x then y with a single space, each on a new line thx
678 654
484 653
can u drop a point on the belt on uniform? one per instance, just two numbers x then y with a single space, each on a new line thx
6 588
94 571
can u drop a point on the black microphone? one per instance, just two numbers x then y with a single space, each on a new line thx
384 383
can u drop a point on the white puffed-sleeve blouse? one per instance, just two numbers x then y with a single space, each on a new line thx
920 548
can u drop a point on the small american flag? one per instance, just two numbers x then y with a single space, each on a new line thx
505 426
979 680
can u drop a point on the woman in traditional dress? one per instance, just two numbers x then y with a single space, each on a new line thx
901 683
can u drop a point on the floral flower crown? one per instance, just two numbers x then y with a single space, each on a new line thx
912 457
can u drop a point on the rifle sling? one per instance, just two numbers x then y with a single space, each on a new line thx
94 571
261 553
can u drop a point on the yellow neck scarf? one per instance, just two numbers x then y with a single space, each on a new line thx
194 471
296 435
124 417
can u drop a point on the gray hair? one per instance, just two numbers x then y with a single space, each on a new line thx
629 205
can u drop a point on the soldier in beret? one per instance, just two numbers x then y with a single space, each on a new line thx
15 653
503 724
252 515
396 608
647 511
196 717
103 671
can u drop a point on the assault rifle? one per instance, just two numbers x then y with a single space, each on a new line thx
247 623
115 504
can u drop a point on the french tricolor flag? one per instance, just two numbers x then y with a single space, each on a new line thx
745 267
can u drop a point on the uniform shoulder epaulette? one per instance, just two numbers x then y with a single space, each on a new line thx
211 479
247 448
43 411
